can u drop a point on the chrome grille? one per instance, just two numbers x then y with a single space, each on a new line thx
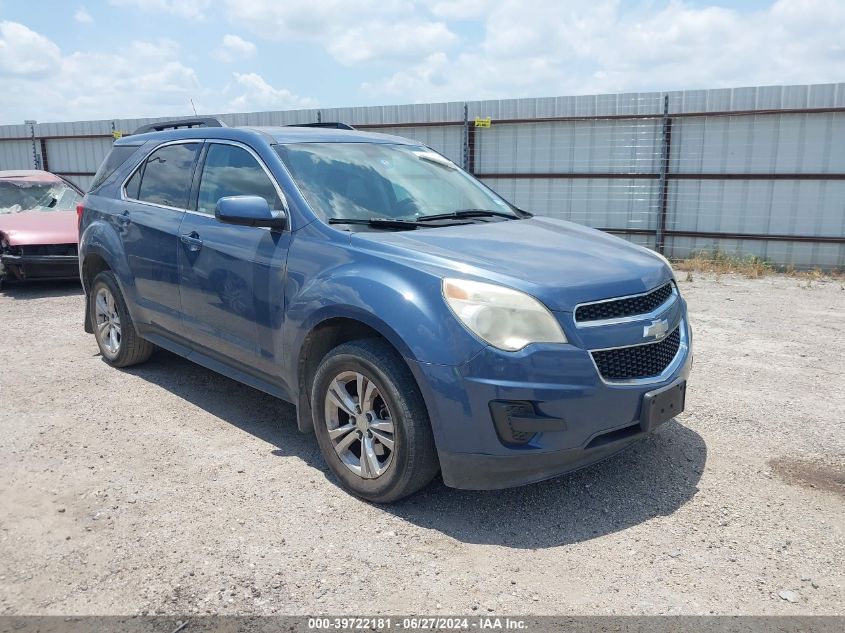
625 306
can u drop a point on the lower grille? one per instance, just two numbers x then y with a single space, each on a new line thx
50 249
638 361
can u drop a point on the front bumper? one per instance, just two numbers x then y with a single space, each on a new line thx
40 266
584 419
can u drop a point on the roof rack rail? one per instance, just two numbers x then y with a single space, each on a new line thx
335 125
200 121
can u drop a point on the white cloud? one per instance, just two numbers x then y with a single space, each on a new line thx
577 48
23 52
351 31
141 79
233 48
389 41
461 9
405 51
183 8
259 95
82 16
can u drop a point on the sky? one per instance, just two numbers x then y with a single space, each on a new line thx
65 61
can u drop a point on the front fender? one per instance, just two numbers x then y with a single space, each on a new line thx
405 306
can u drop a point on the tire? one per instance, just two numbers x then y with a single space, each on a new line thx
411 462
122 347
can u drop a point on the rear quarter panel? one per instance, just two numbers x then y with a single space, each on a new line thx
98 236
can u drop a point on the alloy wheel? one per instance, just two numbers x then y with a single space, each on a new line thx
107 321
359 424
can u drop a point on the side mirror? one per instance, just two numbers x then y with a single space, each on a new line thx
249 211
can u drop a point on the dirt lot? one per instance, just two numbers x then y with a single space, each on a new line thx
169 489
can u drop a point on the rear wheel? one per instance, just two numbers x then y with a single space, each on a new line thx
371 422
114 331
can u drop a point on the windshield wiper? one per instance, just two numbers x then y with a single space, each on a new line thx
386 223
467 213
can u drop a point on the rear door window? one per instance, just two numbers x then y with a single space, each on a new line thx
167 175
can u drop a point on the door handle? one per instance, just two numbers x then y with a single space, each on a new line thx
192 241
123 219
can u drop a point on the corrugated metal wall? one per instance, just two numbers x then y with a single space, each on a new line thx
748 171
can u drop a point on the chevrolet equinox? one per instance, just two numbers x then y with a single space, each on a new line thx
419 322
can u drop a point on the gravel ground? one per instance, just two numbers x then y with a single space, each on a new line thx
169 489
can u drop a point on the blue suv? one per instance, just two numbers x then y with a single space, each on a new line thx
418 321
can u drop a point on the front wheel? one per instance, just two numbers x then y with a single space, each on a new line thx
371 422
114 330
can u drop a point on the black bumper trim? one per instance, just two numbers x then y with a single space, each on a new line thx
24 267
23 260
474 471
517 421
537 423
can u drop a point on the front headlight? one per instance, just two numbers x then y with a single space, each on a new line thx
504 317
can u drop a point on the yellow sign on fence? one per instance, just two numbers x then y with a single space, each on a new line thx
479 122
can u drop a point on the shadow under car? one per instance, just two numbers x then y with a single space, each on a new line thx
651 478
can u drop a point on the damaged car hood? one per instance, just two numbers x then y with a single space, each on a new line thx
39 227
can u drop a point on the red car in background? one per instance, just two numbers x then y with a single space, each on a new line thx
38 226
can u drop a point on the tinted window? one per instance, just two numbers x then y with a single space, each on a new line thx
167 175
134 184
117 156
232 171
378 180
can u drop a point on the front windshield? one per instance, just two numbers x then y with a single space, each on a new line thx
21 195
369 180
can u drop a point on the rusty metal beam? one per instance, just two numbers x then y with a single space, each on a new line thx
573 175
45 164
808 176
471 148
553 119
778 237
56 137
377 126
670 176
658 115
663 186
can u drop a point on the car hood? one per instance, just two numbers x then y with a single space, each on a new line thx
561 263
29 228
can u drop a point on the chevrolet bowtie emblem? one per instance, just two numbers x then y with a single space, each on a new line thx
657 329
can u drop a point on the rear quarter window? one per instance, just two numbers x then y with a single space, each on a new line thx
134 184
118 155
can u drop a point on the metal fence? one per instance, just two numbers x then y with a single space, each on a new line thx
743 172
